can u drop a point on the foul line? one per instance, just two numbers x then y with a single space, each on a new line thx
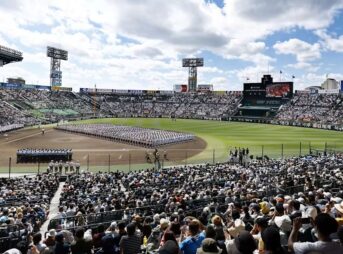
17 139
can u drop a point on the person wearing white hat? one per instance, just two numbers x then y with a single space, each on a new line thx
50 240
237 227
284 223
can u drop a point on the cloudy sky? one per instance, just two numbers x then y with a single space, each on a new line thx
139 44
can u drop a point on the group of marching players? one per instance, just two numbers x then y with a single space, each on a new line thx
69 167
128 134
28 155
156 158
10 127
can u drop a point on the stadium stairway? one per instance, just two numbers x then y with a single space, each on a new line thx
53 209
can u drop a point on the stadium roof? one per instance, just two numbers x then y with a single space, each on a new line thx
8 55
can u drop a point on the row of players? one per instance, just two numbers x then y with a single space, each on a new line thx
68 166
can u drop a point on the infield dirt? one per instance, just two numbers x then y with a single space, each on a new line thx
86 149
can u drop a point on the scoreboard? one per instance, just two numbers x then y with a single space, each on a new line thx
267 91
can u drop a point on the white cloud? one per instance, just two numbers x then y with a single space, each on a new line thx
132 44
304 52
305 66
329 42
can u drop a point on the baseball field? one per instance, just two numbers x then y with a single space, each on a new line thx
213 142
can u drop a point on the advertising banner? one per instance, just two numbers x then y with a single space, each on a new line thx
42 87
166 92
219 92
180 88
104 91
205 88
135 91
332 91
61 88
87 90
11 86
120 91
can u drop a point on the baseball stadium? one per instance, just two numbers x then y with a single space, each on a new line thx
187 169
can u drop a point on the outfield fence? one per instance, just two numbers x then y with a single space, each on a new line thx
136 159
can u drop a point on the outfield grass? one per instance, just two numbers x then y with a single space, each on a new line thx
221 136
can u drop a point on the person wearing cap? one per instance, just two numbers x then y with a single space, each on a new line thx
50 240
110 242
325 226
68 236
208 246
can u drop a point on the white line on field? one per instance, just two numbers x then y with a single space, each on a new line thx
25 137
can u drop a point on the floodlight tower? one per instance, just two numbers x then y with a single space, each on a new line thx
192 63
56 56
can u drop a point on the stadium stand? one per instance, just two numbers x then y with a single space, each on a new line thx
305 108
24 205
31 106
198 106
154 211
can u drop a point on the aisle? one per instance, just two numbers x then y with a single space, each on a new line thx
54 204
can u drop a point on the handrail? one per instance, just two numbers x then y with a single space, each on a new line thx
122 211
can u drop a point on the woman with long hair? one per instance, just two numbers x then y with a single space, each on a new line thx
169 242
272 241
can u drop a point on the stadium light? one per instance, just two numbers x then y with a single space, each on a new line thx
56 56
192 63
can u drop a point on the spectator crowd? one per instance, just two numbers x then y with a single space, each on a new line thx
312 110
24 206
265 206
